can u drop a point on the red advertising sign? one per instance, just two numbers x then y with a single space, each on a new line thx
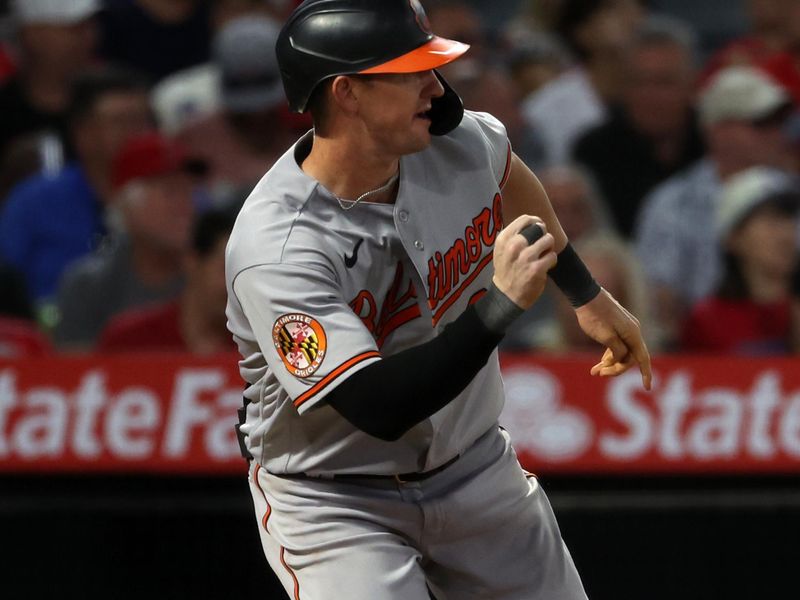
147 413
721 415
167 413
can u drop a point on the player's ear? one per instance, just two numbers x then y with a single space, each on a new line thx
344 93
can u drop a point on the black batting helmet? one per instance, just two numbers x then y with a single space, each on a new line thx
325 38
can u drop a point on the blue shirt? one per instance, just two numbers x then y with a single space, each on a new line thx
47 222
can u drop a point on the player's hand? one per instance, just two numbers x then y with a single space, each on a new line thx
606 321
520 270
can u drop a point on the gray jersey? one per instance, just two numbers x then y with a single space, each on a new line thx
317 293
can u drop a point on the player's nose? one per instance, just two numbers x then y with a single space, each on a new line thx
433 87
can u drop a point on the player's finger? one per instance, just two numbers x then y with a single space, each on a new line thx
540 247
523 221
640 352
642 356
606 361
618 348
615 368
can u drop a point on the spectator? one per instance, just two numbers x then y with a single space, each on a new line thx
653 133
186 97
574 196
774 46
196 321
49 221
242 140
152 214
598 33
785 66
458 20
54 42
757 223
742 113
535 59
157 37
492 90
768 36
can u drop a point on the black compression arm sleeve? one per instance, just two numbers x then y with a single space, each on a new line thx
389 397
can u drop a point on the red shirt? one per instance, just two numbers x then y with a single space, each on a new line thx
152 328
737 327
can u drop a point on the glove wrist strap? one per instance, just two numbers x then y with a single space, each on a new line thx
573 278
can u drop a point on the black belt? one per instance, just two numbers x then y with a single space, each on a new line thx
400 478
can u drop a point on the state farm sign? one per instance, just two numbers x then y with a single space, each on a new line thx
155 414
702 415
175 414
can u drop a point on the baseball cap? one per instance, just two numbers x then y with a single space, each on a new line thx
749 189
244 50
741 93
149 155
54 12
186 96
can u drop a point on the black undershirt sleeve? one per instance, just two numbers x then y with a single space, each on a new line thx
389 397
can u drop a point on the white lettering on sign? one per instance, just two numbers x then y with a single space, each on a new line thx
188 412
89 400
677 421
134 423
790 427
131 423
44 431
717 423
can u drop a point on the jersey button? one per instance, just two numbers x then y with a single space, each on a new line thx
403 216
419 245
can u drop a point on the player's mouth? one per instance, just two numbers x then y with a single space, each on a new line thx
424 114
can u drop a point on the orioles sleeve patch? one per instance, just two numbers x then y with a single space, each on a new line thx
300 342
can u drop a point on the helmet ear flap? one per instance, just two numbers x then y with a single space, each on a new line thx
446 111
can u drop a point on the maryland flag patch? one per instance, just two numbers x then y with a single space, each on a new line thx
300 342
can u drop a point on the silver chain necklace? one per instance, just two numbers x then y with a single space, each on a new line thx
348 204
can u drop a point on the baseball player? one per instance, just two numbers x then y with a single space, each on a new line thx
371 274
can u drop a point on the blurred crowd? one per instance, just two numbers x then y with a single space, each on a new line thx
132 131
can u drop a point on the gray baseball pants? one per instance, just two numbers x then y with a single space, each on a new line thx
481 529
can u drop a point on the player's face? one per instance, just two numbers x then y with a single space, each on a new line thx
394 109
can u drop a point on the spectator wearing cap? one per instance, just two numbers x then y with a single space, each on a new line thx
195 322
653 132
156 37
250 132
757 223
151 214
54 40
48 221
773 45
742 115
767 36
